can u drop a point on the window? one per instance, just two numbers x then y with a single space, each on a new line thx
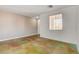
55 22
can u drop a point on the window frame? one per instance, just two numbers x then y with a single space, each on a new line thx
49 22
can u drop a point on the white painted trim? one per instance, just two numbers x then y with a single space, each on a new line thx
60 40
16 37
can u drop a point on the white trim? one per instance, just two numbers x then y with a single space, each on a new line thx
16 37
59 40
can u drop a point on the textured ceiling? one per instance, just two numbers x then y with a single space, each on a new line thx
30 10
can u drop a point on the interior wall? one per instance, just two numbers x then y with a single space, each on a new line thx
68 34
39 26
77 27
13 25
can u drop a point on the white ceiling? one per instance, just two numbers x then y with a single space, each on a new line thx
30 10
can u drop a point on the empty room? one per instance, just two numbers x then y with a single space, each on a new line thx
39 29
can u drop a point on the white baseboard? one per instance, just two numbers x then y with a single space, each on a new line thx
59 40
11 38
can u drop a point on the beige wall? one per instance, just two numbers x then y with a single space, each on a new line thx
68 34
13 25
77 27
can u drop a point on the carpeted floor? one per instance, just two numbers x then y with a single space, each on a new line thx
36 45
